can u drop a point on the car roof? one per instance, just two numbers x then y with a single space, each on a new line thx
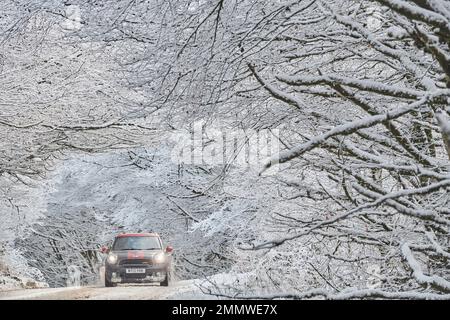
145 234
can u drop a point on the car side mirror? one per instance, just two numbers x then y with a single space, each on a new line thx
104 249
169 249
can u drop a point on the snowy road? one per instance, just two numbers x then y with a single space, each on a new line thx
121 292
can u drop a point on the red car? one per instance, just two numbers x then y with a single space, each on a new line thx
137 258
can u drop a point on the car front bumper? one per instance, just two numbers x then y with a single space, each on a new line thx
118 274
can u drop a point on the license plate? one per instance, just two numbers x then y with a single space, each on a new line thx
135 270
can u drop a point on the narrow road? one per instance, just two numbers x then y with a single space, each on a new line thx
121 292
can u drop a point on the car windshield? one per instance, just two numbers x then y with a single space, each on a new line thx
136 243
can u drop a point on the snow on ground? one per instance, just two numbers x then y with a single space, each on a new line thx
186 290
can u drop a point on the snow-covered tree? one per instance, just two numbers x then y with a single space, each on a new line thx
57 94
361 91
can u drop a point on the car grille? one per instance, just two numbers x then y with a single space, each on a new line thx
135 262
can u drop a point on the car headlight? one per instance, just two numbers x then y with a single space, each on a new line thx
112 258
159 258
